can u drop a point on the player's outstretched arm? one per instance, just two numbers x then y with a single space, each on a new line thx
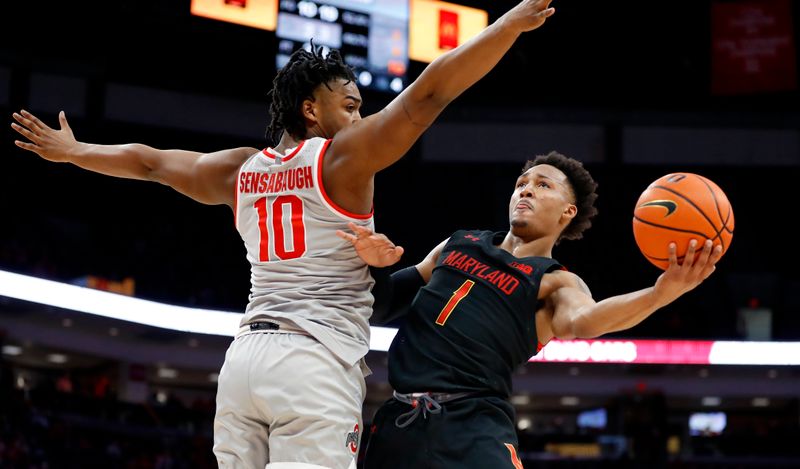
576 314
208 178
381 139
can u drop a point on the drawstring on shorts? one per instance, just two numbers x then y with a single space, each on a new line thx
423 403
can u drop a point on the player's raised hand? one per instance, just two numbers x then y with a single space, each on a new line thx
373 248
696 267
528 15
50 144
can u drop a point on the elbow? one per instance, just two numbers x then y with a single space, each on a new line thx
432 98
587 332
582 327
564 330
142 159
439 98
133 150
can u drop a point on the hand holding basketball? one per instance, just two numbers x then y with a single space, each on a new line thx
678 208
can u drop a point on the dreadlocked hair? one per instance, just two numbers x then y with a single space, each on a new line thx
583 187
296 82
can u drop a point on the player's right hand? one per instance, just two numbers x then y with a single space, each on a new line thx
50 144
528 15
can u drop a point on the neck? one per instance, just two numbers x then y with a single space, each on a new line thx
522 247
287 141
315 131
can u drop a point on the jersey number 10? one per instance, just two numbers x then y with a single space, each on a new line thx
274 215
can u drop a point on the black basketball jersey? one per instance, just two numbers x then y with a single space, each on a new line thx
473 323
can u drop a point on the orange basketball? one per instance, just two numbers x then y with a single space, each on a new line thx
677 208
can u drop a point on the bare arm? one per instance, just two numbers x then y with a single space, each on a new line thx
425 267
576 314
376 142
207 178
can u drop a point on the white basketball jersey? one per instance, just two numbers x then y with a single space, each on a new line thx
301 272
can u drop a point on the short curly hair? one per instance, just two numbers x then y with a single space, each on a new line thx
583 187
296 82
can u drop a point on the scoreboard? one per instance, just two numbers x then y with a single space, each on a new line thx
372 36
376 37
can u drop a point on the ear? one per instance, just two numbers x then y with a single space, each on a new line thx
570 212
309 110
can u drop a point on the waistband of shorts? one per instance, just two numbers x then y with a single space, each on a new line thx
269 327
413 398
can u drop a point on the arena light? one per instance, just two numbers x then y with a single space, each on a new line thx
112 305
678 352
150 313
226 323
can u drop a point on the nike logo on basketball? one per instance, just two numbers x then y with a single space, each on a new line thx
667 204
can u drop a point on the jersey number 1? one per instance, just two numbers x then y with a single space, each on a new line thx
458 295
296 225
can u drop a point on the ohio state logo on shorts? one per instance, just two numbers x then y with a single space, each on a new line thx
352 440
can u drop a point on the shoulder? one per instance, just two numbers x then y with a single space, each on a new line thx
472 235
558 279
231 156
314 143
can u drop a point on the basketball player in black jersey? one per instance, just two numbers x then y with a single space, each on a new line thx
486 303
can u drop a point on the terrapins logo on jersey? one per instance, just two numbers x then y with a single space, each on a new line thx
352 440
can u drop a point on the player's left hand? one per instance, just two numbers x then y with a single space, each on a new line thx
373 248
696 267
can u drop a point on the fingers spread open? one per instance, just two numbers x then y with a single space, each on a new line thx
27 146
346 236
25 121
688 260
34 120
24 132
673 254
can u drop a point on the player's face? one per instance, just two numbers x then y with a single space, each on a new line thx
337 107
542 202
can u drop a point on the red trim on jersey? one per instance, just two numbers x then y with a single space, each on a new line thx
236 198
539 346
358 216
268 154
514 457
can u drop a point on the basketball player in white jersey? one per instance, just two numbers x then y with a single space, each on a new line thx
291 388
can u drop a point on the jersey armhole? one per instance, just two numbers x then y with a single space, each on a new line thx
324 195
